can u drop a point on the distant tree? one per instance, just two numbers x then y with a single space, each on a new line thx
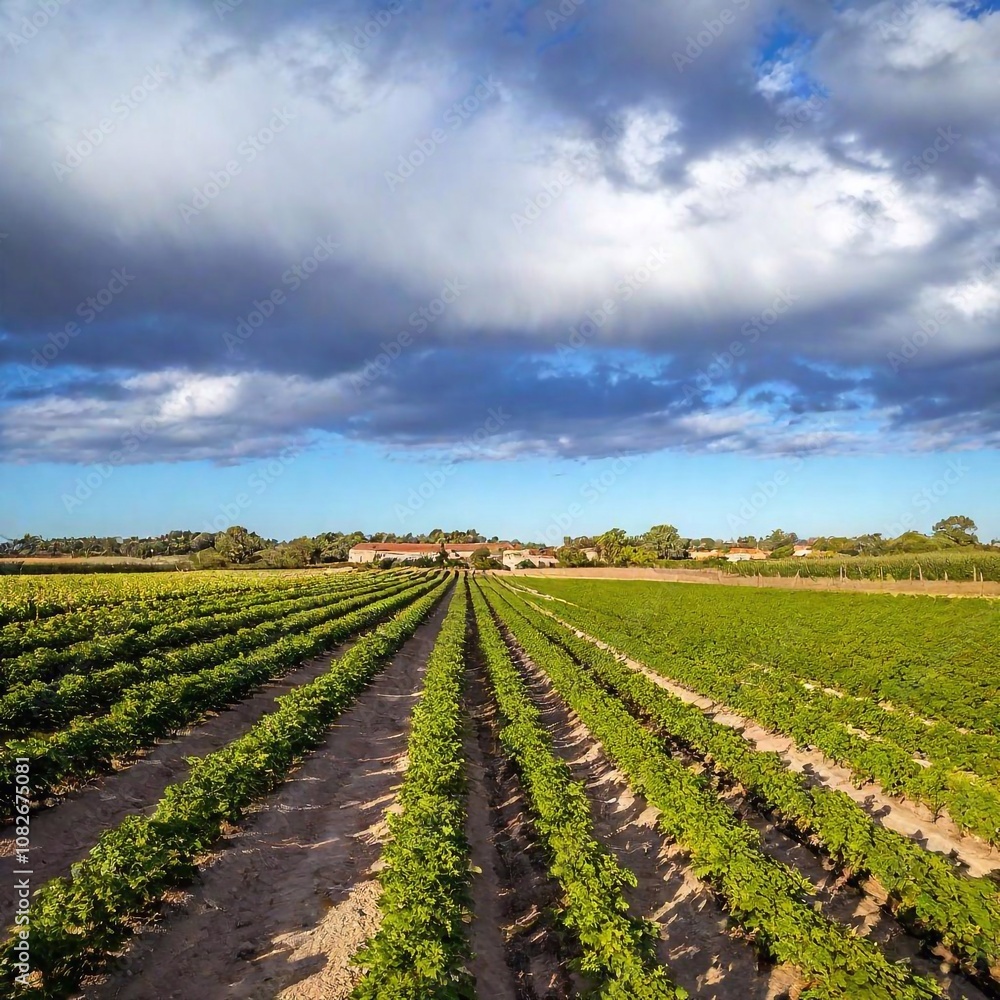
958 528
747 542
611 545
870 545
663 540
570 555
482 559
637 555
778 539
782 552
238 545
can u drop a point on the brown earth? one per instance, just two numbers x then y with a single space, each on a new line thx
705 957
514 890
282 908
911 819
65 832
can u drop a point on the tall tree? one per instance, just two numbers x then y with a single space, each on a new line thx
960 529
238 545
612 544
663 539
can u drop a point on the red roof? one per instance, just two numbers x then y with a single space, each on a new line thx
430 547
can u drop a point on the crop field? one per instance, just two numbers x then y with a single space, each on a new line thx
408 785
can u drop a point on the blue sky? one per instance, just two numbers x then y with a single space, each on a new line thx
326 256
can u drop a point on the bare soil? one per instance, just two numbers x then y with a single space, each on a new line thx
283 906
911 819
706 958
65 832
513 897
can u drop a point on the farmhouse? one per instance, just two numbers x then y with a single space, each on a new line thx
369 552
740 554
512 558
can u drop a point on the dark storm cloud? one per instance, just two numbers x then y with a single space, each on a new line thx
754 149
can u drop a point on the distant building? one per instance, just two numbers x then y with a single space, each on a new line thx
369 552
802 549
541 558
740 554
701 554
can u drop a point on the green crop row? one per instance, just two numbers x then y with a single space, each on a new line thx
927 890
421 950
766 898
176 627
812 718
155 709
77 922
936 657
99 622
618 949
45 705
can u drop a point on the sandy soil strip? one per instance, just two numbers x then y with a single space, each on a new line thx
65 833
513 897
911 819
284 906
705 958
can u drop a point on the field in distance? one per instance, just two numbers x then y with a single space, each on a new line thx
438 784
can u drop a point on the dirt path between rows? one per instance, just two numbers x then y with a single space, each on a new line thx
702 955
65 832
513 896
907 818
282 908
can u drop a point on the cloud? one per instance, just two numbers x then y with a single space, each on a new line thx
542 171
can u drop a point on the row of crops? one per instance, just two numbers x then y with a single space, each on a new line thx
101 706
937 566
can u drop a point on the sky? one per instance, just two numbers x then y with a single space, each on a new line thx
538 268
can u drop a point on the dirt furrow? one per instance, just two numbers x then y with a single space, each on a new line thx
282 907
704 956
65 832
513 896
907 818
